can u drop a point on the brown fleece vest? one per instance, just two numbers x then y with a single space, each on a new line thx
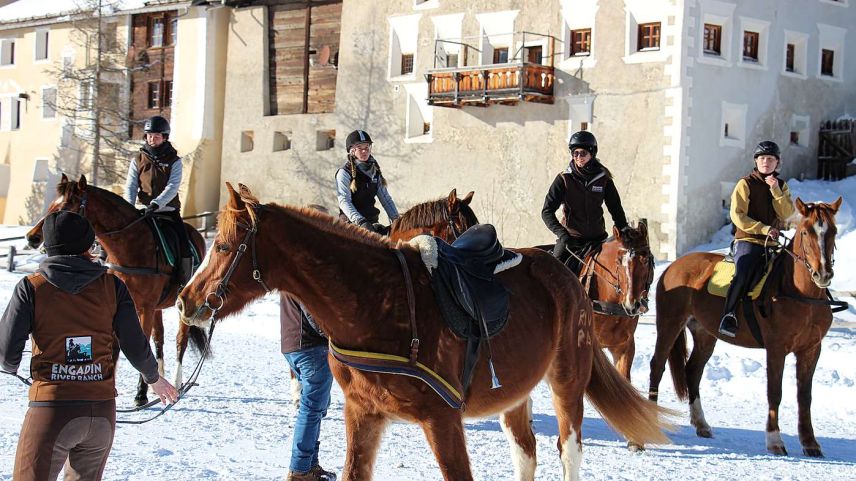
760 204
583 207
73 341
154 176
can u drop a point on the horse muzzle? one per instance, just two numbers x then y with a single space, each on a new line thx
34 241
822 280
199 317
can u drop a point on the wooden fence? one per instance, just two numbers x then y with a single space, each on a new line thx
837 147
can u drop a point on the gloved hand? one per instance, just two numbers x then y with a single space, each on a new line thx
151 208
560 250
365 224
379 228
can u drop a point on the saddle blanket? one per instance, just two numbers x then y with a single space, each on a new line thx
723 272
427 246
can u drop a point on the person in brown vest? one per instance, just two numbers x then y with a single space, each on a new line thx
78 317
154 177
581 190
358 182
760 206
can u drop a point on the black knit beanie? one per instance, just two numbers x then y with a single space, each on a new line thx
67 233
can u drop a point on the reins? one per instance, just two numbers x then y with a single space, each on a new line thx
835 306
610 308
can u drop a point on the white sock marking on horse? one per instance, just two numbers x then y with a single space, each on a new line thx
572 457
178 376
697 415
160 367
774 440
524 465
295 391
202 265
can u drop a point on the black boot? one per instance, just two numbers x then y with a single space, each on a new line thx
728 325
185 269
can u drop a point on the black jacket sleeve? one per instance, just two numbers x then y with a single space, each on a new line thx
554 199
132 341
15 326
613 204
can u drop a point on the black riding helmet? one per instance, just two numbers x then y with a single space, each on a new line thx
767 147
583 140
156 125
357 137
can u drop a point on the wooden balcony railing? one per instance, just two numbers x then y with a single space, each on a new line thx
484 85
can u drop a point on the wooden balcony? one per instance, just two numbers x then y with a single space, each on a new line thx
490 84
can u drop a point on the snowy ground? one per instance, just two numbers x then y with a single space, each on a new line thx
237 424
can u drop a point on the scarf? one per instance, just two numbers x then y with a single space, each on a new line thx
162 152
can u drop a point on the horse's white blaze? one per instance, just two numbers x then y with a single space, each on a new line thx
202 265
524 465
774 440
625 261
820 230
697 415
572 457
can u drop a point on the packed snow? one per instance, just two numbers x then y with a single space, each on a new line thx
237 424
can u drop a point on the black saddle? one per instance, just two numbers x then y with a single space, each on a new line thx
167 236
473 302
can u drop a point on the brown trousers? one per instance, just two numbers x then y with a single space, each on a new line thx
78 437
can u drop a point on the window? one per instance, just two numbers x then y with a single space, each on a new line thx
406 63
109 36
86 95
167 93
713 39
153 99
649 36
172 31
41 171
247 143
827 62
790 53
41 45
799 131
451 60
581 42
500 55
155 31
750 46
325 140
534 54
583 125
16 114
49 103
795 138
7 52
281 141
733 125
418 114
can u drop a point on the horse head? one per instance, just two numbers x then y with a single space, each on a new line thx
814 241
69 197
634 267
226 281
446 218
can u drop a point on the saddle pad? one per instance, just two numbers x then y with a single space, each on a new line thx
458 319
723 272
427 246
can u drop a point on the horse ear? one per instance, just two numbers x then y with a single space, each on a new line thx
235 201
64 178
615 232
468 198
801 207
453 197
81 184
836 205
245 191
643 229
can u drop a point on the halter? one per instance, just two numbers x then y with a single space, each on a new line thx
219 293
452 219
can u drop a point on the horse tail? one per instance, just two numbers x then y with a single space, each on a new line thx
199 341
639 420
677 365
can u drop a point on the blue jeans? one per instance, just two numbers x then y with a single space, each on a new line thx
311 368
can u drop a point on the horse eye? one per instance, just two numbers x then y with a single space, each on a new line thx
223 247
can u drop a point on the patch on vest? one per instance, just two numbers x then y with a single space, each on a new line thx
78 350
597 188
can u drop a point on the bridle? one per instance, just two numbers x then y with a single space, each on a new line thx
452 220
220 293
802 258
615 281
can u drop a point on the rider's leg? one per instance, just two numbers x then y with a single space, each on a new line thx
748 258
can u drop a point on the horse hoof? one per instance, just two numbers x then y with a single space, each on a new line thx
778 450
140 401
704 432
813 452
634 447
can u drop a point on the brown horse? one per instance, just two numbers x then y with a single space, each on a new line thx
130 244
617 279
446 218
797 320
356 285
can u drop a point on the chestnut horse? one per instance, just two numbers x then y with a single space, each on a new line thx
131 244
358 287
798 318
446 218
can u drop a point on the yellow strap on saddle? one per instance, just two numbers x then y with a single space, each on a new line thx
723 272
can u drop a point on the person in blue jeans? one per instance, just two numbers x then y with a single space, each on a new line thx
305 349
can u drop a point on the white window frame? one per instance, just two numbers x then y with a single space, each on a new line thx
578 16
800 124
448 27
417 113
15 113
47 46
46 163
735 116
403 40
762 28
800 41
497 31
639 12
831 38
717 13
44 99
4 45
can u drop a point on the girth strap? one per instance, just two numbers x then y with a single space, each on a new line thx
411 304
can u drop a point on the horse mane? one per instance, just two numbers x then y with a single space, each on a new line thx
70 187
228 221
428 213
632 238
